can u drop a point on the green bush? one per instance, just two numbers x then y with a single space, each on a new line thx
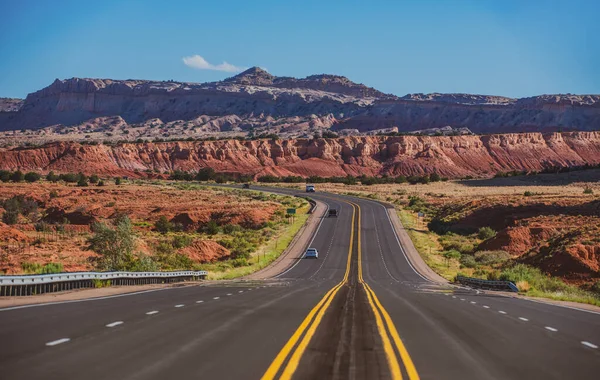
460 243
231 228
486 233
210 228
491 257
52 177
52 268
10 217
17 176
534 277
4 175
69 177
181 241
588 190
117 181
94 178
163 225
468 261
32 177
528 193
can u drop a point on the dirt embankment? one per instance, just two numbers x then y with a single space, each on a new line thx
448 156
561 236
55 221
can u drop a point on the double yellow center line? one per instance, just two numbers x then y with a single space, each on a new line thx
304 333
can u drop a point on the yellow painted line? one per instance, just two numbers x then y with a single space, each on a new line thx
319 310
373 302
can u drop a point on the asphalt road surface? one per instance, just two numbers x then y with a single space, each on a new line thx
358 312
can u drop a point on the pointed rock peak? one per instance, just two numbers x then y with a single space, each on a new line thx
254 75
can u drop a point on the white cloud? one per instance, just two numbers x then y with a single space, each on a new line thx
198 62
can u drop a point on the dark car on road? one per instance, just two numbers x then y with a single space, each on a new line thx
246 186
333 212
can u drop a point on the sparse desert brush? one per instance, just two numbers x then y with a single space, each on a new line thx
523 286
588 190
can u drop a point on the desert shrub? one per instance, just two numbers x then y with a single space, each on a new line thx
434 177
528 193
231 228
94 178
523 286
462 244
239 262
205 174
100 183
17 176
163 225
82 181
588 190
10 217
118 181
210 228
69 177
181 241
417 204
468 261
32 177
144 263
52 268
114 245
491 257
4 175
53 194
486 233
52 177
42 227
31 267
451 254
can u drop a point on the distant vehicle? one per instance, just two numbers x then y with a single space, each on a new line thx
310 188
333 212
246 186
311 253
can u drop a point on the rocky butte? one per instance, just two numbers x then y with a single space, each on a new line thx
256 101
449 156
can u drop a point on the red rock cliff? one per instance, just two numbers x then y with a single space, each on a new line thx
451 156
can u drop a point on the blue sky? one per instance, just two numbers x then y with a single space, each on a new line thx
511 48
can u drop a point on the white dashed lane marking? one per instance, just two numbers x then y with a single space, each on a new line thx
113 324
180 305
58 341
241 291
462 299
502 312
588 344
152 312
199 301
524 319
229 294
216 298
486 306
551 329
473 302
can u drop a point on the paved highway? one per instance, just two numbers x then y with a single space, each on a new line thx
358 312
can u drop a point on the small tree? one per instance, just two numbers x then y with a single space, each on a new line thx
4 175
114 245
118 181
434 177
94 178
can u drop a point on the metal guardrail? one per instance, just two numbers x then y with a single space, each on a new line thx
487 284
47 283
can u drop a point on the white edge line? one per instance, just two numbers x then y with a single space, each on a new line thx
553 304
58 341
550 329
311 241
588 344
113 324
